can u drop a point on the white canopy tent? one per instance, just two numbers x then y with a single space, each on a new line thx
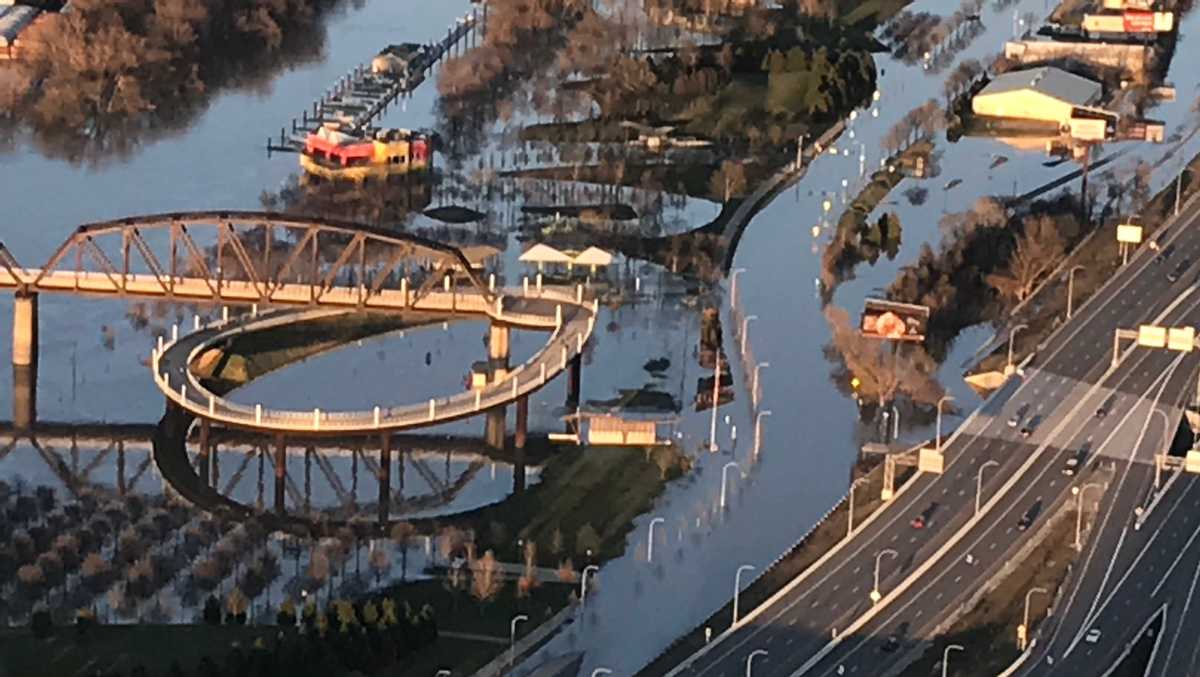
541 254
593 257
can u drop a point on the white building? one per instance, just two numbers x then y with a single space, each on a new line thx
1046 94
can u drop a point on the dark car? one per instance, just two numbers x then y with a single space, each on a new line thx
1102 411
892 643
1030 515
1178 271
1028 428
922 520
1165 254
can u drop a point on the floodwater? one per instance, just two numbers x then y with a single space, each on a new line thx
92 356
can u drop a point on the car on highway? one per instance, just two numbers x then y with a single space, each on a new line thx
1028 428
1072 465
1178 271
1016 418
1030 515
1092 636
923 520
1164 254
892 643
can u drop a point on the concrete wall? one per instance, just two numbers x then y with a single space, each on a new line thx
1133 59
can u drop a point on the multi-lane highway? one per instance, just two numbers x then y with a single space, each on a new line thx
929 574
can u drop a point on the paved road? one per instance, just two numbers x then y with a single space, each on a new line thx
1070 381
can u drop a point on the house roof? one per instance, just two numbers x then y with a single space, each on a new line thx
1047 80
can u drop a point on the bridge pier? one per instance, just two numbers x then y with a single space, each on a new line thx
519 436
24 397
205 450
499 336
574 381
25 330
385 478
280 474
494 427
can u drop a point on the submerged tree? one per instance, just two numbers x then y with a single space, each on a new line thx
1038 251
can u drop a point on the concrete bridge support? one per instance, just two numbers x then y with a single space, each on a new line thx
25 330
280 474
498 354
494 427
385 478
24 397
205 450
519 438
574 381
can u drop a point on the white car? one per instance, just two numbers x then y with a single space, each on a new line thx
1092 636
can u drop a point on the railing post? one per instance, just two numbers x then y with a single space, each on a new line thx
404 292
578 293
253 310
160 344
525 285
579 343
174 332
432 407
539 283
183 391
376 415
258 414
195 323
491 282
499 307
543 372
558 317
514 382
212 405
224 314
564 358
478 399
316 419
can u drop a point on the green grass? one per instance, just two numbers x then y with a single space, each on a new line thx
119 647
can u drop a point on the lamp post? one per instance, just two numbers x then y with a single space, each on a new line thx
750 659
1079 510
737 588
946 657
601 671
650 539
1023 631
1012 334
512 636
724 479
979 482
1071 288
733 286
875 596
754 384
716 400
850 516
742 337
758 430
1166 440
591 568
938 435
443 673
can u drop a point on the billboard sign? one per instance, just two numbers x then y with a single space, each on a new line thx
1139 22
894 321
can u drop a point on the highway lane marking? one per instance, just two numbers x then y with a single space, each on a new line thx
1090 616
1182 616
1174 563
899 589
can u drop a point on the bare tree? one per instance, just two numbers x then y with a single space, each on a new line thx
882 372
1039 249
728 180
486 578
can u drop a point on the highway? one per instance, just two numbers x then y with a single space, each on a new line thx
1071 379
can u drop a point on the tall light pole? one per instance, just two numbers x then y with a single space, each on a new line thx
750 659
512 636
601 671
895 423
742 337
875 596
733 286
979 482
650 539
724 479
938 436
1071 288
850 516
758 430
1023 631
591 568
1012 334
1079 510
716 399
737 588
754 384
946 657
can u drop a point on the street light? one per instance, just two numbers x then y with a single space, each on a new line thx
946 657
979 483
742 337
1012 334
443 673
512 636
1079 510
601 671
650 544
758 430
737 588
591 568
1071 288
938 436
1166 440
724 479
751 657
754 384
875 596
850 520
1023 631
733 286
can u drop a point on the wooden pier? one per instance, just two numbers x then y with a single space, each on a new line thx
361 96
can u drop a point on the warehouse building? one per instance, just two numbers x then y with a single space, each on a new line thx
1044 94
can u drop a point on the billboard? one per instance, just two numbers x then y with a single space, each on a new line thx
1139 22
894 321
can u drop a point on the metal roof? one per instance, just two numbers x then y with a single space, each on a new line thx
1047 80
